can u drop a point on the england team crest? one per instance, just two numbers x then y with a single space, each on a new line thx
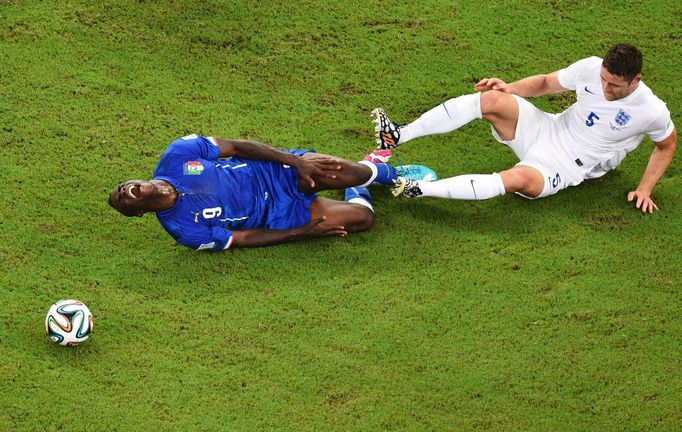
192 168
622 118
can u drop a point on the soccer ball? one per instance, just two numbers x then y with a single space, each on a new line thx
68 322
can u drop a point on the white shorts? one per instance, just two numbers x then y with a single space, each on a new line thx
537 144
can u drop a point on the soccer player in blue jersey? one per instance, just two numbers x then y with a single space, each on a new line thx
213 193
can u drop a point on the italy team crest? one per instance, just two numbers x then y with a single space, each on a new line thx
622 118
192 168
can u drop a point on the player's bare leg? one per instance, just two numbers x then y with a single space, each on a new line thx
502 111
347 174
352 216
523 179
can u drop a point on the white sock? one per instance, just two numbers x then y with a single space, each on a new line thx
446 117
465 187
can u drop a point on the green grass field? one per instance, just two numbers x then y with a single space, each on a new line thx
505 315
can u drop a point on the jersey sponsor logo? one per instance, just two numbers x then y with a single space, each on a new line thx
192 168
590 119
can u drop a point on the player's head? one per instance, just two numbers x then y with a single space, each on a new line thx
621 71
132 198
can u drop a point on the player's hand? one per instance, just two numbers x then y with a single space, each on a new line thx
310 168
317 228
491 84
644 201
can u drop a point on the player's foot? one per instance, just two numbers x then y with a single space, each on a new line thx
416 172
387 131
405 188
379 156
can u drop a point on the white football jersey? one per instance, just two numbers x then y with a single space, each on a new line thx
601 132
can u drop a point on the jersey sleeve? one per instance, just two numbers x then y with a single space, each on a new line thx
661 127
193 146
213 238
571 75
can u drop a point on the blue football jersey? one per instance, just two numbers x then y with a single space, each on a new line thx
217 196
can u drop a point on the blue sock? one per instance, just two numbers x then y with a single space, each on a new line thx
359 195
382 173
385 174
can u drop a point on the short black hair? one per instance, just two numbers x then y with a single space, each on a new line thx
623 60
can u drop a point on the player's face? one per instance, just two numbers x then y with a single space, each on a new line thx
129 197
616 87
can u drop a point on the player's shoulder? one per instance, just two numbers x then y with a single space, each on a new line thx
189 141
647 97
585 70
182 224
170 223
587 63
189 148
589 66
177 221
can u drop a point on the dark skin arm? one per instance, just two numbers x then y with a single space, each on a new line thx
267 237
308 169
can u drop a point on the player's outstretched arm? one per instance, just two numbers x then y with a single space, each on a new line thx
267 237
658 163
254 150
536 85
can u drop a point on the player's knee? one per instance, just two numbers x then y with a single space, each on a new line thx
363 219
514 181
493 102
522 181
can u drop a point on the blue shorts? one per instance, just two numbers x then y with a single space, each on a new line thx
286 207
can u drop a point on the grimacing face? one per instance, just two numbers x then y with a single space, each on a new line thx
616 87
130 197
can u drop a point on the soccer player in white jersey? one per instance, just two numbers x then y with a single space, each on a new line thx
613 113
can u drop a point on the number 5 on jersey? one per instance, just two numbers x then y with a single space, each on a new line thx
591 118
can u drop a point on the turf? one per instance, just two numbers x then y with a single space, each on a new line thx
559 314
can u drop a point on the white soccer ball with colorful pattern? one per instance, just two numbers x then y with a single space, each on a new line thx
68 322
